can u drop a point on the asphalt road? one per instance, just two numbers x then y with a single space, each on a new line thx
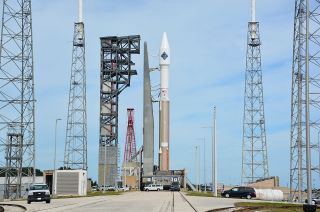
133 202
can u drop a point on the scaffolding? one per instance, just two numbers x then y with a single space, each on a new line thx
115 76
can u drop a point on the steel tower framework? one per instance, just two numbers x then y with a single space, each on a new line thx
115 76
130 148
306 56
75 156
254 145
17 103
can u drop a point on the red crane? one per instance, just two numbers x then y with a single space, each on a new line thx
130 146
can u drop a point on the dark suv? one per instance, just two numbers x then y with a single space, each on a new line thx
175 186
239 192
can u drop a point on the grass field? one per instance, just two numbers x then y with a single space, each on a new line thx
272 207
106 193
199 194
93 194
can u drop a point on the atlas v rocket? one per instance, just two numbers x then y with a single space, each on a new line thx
164 103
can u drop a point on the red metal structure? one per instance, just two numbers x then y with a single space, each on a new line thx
130 145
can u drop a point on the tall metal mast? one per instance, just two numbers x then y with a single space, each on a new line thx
254 145
75 156
17 103
305 95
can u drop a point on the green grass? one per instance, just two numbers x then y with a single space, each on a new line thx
92 194
268 206
199 194
106 193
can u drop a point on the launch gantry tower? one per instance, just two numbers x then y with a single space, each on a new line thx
115 76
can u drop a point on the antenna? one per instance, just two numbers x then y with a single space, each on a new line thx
253 10
80 11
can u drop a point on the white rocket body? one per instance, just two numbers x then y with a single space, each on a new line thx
164 103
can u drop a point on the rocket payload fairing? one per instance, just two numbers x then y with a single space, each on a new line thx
164 103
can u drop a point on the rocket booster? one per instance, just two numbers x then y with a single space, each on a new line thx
164 103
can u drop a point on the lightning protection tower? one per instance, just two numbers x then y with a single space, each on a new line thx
75 156
115 76
17 103
130 148
254 145
305 99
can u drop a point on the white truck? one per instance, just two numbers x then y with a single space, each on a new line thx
153 187
38 193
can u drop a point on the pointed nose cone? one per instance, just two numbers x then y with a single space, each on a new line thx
165 50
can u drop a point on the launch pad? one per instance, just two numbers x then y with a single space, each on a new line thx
166 178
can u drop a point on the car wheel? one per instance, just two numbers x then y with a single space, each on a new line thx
227 195
249 196
29 202
48 201
313 202
158 189
147 190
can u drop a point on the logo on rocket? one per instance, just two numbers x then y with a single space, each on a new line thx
164 56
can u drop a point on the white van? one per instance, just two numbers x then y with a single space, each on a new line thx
153 187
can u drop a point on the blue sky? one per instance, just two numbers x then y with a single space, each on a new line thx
208 45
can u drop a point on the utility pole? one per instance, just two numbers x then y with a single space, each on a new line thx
55 156
214 156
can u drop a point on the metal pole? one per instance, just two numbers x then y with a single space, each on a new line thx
308 151
196 169
199 173
125 174
104 167
319 153
55 155
204 164
214 156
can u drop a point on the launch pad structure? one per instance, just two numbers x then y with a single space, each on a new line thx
115 77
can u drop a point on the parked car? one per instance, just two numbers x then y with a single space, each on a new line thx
38 193
153 187
124 189
94 188
206 188
240 192
175 186
315 200
107 188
